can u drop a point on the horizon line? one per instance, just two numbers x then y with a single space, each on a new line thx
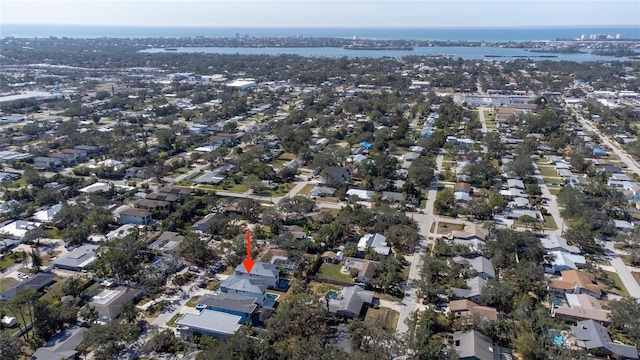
632 26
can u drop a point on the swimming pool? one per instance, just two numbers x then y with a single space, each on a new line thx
559 339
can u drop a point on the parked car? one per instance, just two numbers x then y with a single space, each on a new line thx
22 276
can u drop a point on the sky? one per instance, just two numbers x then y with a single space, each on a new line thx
323 13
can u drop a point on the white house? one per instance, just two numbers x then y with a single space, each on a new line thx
376 241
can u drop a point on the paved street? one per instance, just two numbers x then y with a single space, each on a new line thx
424 222
624 157
623 271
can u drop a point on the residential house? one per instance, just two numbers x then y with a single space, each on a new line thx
594 338
243 306
62 346
335 175
37 282
268 273
481 265
575 282
167 242
390 197
321 191
46 215
180 191
366 268
208 322
248 287
472 345
581 307
152 204
463 187
163 197
350 301
209 178
296 231
554 242
360 193
377 242
473 290
466 307
109 302
46 162
332 257
19 228
78 259
473 236
134 216
565 261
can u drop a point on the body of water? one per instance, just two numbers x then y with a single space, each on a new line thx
442 34
464 52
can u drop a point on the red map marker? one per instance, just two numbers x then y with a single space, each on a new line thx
248 263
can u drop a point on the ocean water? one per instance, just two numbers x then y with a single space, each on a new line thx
453 34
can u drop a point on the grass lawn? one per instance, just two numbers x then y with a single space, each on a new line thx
278 164
172 321
6 282
193 301
6 262
554 191
307 189
332 271
548 171
390 317
550 222
234 188
445 227
619 286
55 290
282 190
287 156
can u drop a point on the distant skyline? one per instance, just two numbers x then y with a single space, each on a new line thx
328 13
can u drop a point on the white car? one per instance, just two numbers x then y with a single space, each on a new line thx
22 276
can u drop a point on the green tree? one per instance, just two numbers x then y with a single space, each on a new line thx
625 317
195 250
36 260
72 286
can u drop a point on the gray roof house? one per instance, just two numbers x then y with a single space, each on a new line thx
350 301
109 302
473 291
268 273
61 346
319 191
335 175
472 345
208 322
78 259
481 265
554 242
36 282
243 306
594 338
245 286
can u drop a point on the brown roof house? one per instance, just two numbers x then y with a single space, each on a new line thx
468 308
576 282
134 216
